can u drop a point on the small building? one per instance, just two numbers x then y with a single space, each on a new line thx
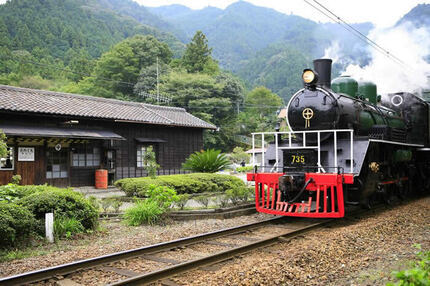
61 139
258 155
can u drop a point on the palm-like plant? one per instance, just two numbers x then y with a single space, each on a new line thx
209 161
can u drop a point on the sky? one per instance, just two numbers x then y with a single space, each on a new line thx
383 13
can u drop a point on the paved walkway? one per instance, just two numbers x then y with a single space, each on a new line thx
111 191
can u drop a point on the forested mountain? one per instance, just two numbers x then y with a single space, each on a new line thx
55 26
142 15
237 32
279 65
119 49
263 46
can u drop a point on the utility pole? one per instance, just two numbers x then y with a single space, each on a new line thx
158 89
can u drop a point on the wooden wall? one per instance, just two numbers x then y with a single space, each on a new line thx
180 143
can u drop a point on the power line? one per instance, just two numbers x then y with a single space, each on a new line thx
356 32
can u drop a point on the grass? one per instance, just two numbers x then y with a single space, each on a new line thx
41 247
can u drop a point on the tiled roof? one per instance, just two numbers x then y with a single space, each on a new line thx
49 102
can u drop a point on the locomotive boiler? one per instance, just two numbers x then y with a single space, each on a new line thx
346 145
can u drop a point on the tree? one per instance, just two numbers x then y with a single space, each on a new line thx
3 145
119 68
262 101
151 164
239 155
4 35
260 112
197 55
79 63
213 99
147 81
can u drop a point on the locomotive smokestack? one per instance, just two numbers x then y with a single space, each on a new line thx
323 68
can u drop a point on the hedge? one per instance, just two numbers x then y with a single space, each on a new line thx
17 224
182 184
12 192
64 202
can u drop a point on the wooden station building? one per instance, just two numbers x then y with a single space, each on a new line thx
61 139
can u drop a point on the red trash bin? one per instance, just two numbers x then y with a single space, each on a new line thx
101 179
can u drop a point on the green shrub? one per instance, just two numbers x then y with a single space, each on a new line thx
237 195
203 200
418 275
16 224
239 155
63 202
106 204
151 165
94 201
182 184
116 204
244 169
162 195
66 227
223 200
12 192
182 200
209 161
16 179
144 212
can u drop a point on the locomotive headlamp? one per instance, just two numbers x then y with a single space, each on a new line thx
309 76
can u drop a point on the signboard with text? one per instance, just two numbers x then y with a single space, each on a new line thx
26 154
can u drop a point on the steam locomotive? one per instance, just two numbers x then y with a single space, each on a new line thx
346 145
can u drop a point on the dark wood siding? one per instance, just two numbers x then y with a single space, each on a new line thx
5 177
179 143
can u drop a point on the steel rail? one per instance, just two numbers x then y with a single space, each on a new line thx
47 273
154 276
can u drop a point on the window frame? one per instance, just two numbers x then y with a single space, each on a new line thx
139 148
82 152
12 156
65 164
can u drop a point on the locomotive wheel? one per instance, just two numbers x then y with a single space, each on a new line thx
403 190
387 195
369 202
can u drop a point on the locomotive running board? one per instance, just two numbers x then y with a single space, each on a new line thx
325 194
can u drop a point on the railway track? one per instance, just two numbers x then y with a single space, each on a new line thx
156 262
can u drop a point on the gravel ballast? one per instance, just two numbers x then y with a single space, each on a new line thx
351 252
118 237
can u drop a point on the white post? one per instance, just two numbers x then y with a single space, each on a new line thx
335 151
352 151
276 148
319 151
49 226
253 151
262 151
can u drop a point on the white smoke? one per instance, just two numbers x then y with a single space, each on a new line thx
406 42
333 52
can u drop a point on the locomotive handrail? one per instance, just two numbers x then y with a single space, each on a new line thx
304 145
338 170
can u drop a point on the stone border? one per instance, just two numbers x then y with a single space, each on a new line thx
220 213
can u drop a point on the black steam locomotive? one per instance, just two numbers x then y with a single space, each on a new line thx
346 145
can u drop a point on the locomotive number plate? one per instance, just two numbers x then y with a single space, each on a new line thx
298 159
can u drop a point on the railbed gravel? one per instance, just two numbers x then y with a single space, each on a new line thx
118 237
352 252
